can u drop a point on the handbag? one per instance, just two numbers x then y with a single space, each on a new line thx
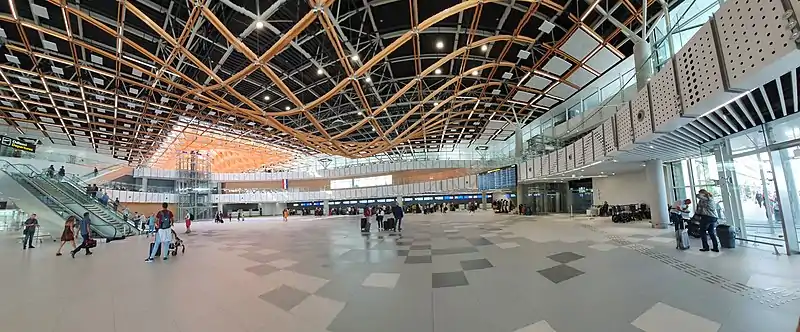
91 243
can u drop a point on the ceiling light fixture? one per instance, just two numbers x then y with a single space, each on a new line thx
484 48
368 79
438 71
266 97
354 57
320 72
436 104
259 25
475 73
440 45
288 108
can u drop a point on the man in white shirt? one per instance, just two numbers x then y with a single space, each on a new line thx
676 211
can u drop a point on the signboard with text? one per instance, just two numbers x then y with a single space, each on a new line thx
17 144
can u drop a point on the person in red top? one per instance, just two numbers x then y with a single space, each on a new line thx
164 221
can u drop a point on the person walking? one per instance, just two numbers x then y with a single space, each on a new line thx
708 220
188 222
676 211
164 221
116 204
95 172
151 224
51 171
29 231
61 173
126 215
397 211
68 235
239 216
83 227
285 215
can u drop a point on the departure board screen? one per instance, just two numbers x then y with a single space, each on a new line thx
501 178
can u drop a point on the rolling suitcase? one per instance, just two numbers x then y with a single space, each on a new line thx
682 239
389 224
364 225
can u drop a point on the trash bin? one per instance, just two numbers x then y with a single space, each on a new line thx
727 236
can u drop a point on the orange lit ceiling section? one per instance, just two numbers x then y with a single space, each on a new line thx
227 155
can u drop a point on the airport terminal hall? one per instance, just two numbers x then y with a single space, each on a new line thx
399 165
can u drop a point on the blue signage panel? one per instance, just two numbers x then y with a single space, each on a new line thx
501 178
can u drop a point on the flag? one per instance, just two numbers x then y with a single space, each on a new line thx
285 184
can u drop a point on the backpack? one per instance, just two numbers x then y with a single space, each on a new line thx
165 222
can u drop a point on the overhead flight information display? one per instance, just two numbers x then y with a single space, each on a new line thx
501 178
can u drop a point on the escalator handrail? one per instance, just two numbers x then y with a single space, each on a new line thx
34 174
78 184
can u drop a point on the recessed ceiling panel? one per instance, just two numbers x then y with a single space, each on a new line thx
546 101
562 91
557 65
579 45
523 96
537 82
603 60
581 77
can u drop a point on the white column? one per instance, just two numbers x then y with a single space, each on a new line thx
399 201
643 63
657 198
326 207
483 200
144 185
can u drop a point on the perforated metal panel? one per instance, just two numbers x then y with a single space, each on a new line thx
588 146
665 99
610 142
599 141
537 167
754 42
553 158
570 157
642 117
579 152
528 169
562 159
624 129
699 75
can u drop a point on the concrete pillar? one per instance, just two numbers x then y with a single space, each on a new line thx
483 200
326 207
657 197
643 63
144 185
399 201
519 148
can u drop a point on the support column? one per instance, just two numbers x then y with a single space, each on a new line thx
326 207
144 185
519 148
643 63
657 198
399 201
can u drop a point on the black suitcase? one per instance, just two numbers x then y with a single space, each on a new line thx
389 224
364 225
727 236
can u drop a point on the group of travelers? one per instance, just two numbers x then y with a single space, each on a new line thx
381 211
705 211
51 172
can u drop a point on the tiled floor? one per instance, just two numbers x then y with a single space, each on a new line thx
453 272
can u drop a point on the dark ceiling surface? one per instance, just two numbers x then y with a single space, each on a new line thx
351 77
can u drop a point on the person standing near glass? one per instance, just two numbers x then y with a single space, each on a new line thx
708 220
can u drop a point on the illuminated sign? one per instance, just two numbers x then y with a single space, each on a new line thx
17 144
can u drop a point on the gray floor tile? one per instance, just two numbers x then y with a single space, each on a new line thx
560 273
420 247
449 279
285 297
565 257
262 269
418 259
476 264
453 251
479 241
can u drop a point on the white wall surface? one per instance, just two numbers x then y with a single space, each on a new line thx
49 221
625 188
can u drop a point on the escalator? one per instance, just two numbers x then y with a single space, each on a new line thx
75 189
42 189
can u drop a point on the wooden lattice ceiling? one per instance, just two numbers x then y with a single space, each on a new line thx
351 77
